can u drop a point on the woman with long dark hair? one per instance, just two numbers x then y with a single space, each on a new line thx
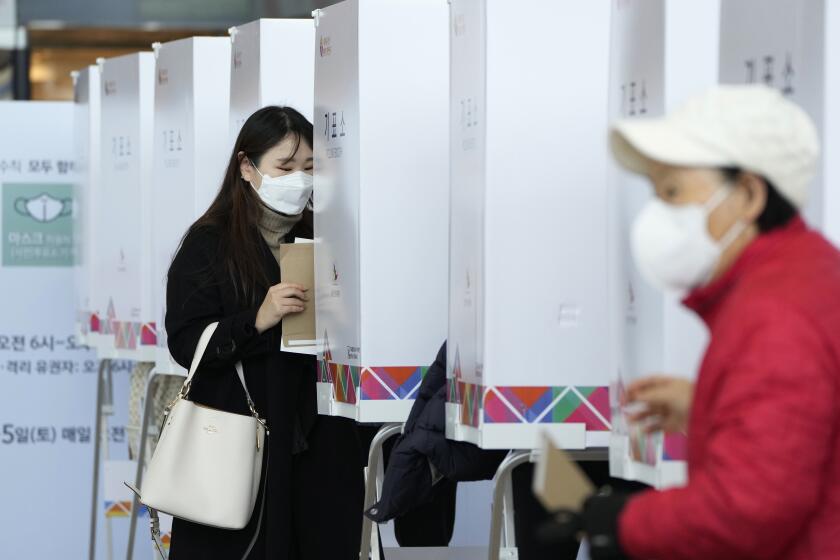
227 271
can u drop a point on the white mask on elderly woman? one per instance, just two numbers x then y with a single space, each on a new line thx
672 245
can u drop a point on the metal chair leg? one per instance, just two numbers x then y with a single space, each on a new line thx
97 447
95 491
502 512
371 487
148 407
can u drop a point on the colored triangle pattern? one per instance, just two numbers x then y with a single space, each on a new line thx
148 334
94 322
347 380
529 402
541 404
117 509
119 334
454 382
599 399
675 447
324 373
643 446
126 335
471 404
110 315
496 411
383 383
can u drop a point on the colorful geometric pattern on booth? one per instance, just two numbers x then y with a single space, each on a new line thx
37 223
550 405
126 334
110 317
391 383
117 509
347 379
471 403
148 334
644 447
324 372
454 383
453 392
584 405
324 375
675 447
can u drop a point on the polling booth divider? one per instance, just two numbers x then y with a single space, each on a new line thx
798 52
87 133
121 304
86 114
662 52
271 64
529 348
190 150
380 205
124 305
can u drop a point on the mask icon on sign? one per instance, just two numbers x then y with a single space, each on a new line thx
44 207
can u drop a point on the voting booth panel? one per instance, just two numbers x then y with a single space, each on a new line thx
662 52
529 317
86 108
271 64
124 305
192 85
792 52
381 202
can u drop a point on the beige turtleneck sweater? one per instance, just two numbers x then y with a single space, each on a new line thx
274 228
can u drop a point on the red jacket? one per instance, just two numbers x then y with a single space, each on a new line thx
764 431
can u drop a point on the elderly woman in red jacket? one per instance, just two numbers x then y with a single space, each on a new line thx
731 171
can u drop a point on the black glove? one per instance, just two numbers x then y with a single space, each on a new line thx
600 523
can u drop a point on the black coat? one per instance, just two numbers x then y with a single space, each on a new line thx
199 292
408 480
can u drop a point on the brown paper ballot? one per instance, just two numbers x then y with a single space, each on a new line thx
297 266
559 483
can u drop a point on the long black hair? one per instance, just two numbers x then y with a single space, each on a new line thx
236 210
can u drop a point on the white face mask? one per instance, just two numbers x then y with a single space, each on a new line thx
287 194
672 245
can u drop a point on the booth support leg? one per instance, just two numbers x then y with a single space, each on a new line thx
151 386
502 530
373 481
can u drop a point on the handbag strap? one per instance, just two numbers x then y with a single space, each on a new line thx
200 350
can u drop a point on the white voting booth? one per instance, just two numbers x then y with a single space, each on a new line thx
271 64
192 85
381 200
793 46
124 235
190 151
86 112
662 52
529 319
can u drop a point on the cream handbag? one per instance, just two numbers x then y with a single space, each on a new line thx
207 465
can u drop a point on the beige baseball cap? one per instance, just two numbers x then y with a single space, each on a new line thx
752 127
